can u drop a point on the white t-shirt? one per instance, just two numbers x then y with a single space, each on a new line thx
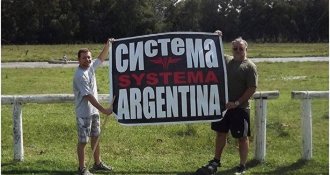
84 83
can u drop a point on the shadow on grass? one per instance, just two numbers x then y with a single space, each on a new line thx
40 172
285 169
74 172
250 164
70 172
31 171
148 172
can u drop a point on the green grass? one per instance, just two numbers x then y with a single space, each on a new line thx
10 53
268 50
50 131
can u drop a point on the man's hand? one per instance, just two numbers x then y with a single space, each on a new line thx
108 111
231 105
111 40
218 32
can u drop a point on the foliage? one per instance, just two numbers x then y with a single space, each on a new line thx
73 21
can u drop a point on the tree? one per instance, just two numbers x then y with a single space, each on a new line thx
8 22
25 21
65 21
210 19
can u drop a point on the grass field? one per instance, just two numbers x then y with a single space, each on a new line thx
12 53
50 133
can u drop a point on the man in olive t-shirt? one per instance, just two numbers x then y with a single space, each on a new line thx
242 83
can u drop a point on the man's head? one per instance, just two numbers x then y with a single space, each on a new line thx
84 58
239 46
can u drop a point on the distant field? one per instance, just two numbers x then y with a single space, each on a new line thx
10 53
50 131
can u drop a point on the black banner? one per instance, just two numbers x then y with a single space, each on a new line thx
168 77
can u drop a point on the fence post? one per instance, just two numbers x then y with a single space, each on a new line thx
261 121
18 131
306 117
260 125
307 140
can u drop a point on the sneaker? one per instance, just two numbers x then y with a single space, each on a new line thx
101 167
83 171
240 170
208 169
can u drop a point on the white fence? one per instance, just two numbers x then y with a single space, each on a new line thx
261 121
17 101
306 118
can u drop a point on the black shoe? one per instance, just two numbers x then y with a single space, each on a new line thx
208 169
83 171
240 170
101 167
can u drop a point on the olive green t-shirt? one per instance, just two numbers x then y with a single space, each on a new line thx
240 75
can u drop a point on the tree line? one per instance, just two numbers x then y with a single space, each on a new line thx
90 21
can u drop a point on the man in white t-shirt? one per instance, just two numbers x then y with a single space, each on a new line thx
87 107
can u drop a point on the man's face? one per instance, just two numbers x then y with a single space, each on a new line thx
85 59
239 50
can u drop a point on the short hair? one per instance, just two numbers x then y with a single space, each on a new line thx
240 40
83 50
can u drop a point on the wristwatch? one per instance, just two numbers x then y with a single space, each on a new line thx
236 103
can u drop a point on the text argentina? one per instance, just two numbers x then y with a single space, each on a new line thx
168 101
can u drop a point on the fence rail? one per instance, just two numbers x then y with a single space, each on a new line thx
67 98
44 98
17 101
260 98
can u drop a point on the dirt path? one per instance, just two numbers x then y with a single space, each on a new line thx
47 65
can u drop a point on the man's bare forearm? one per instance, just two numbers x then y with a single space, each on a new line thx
105 51
247 94
94 102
